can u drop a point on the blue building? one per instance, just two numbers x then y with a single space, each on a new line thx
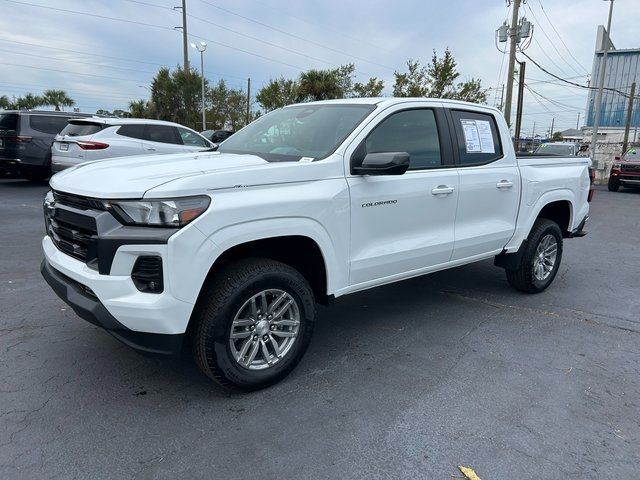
622 69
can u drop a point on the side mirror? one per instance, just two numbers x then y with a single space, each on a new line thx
384 163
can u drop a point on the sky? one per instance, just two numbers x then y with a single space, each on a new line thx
105 53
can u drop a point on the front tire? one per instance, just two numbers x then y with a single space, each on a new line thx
613 185
253 324
540 260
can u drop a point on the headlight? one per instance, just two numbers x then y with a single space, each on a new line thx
615 166
175 212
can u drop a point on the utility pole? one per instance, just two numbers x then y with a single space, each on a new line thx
625 142
513 40
185 36
578 122
520 99
603 68
248 99
553 121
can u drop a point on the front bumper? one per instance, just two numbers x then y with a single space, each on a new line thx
10 165
86 305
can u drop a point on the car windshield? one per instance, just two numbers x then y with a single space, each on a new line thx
290 133
632 154
555 149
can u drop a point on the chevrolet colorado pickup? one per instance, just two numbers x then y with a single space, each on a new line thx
229 251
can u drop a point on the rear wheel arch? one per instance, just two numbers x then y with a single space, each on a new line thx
560 212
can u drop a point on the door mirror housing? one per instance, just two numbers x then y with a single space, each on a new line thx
383 163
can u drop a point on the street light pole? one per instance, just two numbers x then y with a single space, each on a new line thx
201 47
603 68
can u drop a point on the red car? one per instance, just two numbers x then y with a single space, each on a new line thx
625 171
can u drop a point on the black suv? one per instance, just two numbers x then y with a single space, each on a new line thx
25 141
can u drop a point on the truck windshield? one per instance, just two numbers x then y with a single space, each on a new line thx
556 149
291 133
632 154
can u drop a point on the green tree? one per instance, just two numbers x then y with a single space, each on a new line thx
139 109
373 88
227 107
176 97
5 103
413 83
320 85
29 101
437 80
278 93
557 137
58 99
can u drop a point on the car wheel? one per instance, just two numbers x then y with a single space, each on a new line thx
36 174
540 260
613 185
254 322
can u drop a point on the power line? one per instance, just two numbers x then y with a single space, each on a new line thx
222 27
323 27
539 24
217 74
72 73
572 83
341 52
560 37
104 17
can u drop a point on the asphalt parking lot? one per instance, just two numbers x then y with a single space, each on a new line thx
404 381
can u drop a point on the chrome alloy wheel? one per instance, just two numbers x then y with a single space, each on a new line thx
264 329
545 257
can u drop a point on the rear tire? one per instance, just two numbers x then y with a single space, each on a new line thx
232 323
540 259
36 174
613 185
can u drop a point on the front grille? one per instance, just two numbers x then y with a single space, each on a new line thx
71 230
630 168
77 201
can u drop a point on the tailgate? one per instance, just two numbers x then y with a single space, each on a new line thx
64 147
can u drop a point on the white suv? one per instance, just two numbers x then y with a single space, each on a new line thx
85 139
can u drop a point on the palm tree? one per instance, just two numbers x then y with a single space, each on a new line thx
138 108
58 99
29 101
319 85
5 103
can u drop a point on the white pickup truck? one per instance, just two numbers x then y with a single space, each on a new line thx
229 251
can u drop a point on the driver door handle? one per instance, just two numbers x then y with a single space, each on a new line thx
504 184
442 190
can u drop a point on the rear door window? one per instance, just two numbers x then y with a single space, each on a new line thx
132 131
9 121
162 134
50 124
478 138
81 129
192 139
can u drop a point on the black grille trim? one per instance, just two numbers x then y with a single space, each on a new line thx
77 201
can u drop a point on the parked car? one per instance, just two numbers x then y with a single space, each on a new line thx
625 171
25 141
565 149
217 136
229 251
96 138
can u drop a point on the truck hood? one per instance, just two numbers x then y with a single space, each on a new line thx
132 177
